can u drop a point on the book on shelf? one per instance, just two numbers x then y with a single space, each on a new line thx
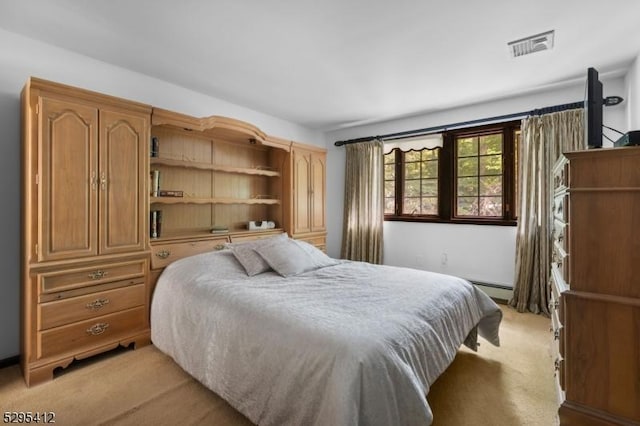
170 193
155 182
154 146
155 223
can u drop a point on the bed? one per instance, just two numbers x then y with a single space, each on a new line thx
329 343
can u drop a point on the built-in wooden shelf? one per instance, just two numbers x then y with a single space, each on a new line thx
216 167
193 200
206 235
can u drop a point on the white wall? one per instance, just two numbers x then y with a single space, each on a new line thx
21 58
632 91
478 252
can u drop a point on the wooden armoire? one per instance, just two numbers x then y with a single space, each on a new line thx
596 286
90 258
85 253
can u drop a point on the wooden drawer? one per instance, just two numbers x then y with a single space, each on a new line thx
257 236
90 333
54 314
560 259
560 233
164 254
319 241
561 207
561 174
557 331
86 276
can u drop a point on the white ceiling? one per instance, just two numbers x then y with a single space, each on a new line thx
328 64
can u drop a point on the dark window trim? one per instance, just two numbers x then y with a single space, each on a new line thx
447 179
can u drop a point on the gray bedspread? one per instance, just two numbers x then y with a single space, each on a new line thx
349 344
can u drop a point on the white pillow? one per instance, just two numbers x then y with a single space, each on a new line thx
319 257
287 257
291 257
245 253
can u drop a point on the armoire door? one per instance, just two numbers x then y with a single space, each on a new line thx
301 192
67 179
122 181
318 192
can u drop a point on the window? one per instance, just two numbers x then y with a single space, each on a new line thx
472 179
420 182
479 185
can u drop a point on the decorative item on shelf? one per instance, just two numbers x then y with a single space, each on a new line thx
155 182
154 146
170 193
261 224
155 223
219 229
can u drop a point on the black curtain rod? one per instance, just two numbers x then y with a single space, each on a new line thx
428 130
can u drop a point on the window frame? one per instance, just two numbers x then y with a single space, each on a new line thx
447 178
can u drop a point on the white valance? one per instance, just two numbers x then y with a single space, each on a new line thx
415 143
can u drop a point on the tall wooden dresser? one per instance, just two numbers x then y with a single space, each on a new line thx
84 232
596 286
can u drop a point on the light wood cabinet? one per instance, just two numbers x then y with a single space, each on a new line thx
89 262
599 295
66 178
308 193
84 224
124 138
91 179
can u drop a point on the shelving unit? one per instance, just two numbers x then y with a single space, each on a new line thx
193 200
228 171
208 166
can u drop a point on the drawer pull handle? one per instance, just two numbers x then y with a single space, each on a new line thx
219 247
97 304
163 254
96 275
97 329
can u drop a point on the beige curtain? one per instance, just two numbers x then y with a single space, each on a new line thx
363 202
544 139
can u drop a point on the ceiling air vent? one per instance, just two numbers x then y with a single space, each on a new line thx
536 43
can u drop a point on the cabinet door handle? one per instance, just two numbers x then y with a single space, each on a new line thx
96 275
163 254
94 180
97 304
219 247
98 328
103 180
